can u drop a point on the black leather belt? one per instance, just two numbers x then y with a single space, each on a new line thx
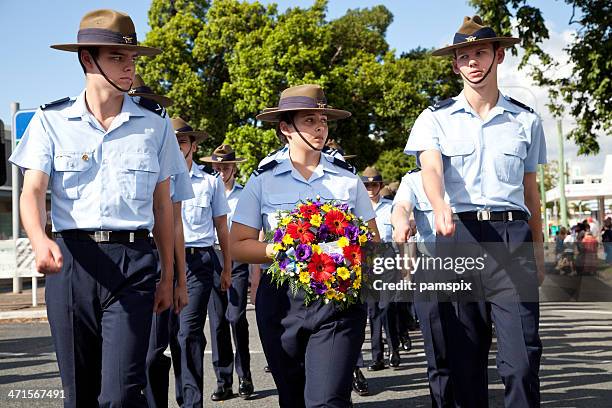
195 250
486 215
103 236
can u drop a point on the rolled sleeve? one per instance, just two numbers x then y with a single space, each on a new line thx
424 134
363 205
219 201
248 209
34 151
536 153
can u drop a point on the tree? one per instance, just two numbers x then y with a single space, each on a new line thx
587 90
225 61
393 164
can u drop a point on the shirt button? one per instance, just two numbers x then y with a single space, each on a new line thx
85 157
105 161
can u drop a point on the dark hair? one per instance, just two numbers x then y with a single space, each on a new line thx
286 117
93 51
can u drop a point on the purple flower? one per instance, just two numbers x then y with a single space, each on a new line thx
338 258
303 252
343 207
318 287
351 232
278 235
283 264
323 232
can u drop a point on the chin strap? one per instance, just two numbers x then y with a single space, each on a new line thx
304 139
117 87
486 73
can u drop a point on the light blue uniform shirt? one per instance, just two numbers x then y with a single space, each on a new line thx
411 190
100 180
180 187
283 153
282 187
484 160
232 200
198 213
383 219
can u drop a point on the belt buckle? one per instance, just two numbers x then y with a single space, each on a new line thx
483 215
102 236
509 216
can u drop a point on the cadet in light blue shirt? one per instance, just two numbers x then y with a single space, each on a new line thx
411 197
292 334
107 161
482 148
202 215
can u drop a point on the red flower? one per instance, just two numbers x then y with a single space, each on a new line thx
321 267
300 230
309 210
353 254
343 285
336 222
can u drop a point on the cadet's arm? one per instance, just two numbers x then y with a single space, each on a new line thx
532 201
433 184
400 219
247 247
33 217
163 234
223 235
180 291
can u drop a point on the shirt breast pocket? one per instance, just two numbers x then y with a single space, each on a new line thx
69 173
455 155
509 161
277 202
200 209
138 175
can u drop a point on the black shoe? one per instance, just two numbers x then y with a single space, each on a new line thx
394 360
222 394
377 366
267 369
245 389
406 343
360 384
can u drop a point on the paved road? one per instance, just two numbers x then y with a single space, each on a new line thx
576 367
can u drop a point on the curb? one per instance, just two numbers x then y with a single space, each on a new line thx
24 314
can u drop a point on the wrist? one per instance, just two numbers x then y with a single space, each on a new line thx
270 252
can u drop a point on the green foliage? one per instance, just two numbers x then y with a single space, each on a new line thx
393 164
587 90
226 60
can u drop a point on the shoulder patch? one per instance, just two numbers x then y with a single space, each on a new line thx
441 104
520 104
341 163
152 106
209 170
268 166
54 103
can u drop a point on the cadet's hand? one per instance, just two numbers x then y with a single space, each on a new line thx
181 298
48 255
254 286
445 225
402 231
163 296
226 279
541 276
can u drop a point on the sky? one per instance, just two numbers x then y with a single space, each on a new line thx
33 74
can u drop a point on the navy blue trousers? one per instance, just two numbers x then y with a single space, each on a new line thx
187 334
99 308
378 312
227 310
509 289
311 351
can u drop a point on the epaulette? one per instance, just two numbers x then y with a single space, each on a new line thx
345 165
268 166
209 170
415 170
275 152
152 106
441 104
520 104
54 103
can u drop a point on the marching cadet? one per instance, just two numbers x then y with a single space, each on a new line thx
409 201
108 161
202 216
482 148
157 364
311 351
227 309
379 311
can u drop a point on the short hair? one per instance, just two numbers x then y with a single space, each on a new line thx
93 51
286 117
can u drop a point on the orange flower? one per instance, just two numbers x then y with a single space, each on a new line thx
321 267
309 210
300 230
335 221
353 254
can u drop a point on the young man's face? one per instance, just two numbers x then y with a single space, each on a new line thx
474 61
373 189
118 64
312 125
187 146
226 170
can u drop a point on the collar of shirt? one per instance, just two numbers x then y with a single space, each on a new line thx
503 104
325 165
237 186
196 171
79 110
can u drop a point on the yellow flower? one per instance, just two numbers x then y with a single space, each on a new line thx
357 282
326 207
305 277
278 247
330 294
316 220
343 242
285 221
357 270
316 249
363 228
343 273
349 217
287 240
340 296
363 239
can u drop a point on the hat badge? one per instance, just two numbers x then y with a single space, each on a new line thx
321 104
219 158
128 39
471 38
